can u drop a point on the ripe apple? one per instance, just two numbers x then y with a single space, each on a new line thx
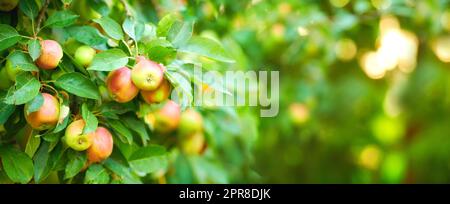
190 122
5 82
47 116
51 54
8 5
84 55
168 117
147 75
193 144
159 95
75 138
120 85
102 145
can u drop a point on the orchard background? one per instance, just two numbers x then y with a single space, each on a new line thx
100 91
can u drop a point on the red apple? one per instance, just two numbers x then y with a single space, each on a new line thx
47 116
168 117
158 95
51 54
102 145
120 85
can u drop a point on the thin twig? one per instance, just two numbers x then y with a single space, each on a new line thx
41 15
127 8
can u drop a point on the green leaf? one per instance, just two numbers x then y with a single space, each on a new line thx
35 104
17 165
180 33
206 47
148 159
77 84
41 169
64 113
122 171
5 111
109 60
96 174
133 28
32 145
77 160
111 27
87 35
182 88
160 50
61 19
66 1
34 48
8 36
89 118
122 131
165 24
29 8
22 61
112 109
26 88
46 159
138 126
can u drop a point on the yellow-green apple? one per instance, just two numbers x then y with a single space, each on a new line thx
5 82
146 74
193 144
84 55
74 137
191 122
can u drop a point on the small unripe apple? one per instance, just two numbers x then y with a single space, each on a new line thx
102 145
191 122
8 5
159 95
51 54
193 144
5 82
84 55
11 70
120 85
168 117
75 138
147 75
47 116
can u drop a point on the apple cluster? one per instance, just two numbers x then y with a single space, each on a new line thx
99 143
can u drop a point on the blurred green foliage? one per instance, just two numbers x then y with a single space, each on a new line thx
357 127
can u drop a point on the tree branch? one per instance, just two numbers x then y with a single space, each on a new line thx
127 7
41 15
